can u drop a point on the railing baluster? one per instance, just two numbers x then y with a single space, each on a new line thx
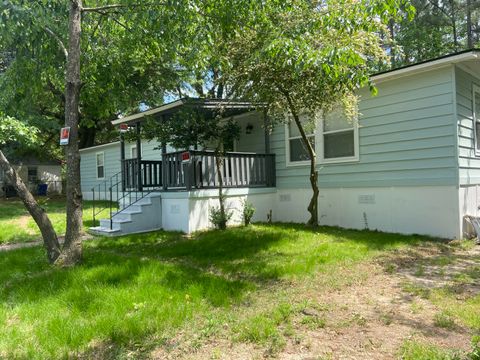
93 205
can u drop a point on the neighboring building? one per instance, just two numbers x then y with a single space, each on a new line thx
34 172
411 164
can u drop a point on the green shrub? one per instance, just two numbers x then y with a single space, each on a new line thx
220 219
247 213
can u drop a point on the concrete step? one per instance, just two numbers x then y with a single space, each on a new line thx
144 215
116 223
101 231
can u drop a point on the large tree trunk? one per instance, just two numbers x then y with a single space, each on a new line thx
72 249
50 240
313 205
221 198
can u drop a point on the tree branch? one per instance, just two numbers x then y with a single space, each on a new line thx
103 8
59 41
118 6
108 15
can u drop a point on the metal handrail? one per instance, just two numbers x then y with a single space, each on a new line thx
99 186
114 185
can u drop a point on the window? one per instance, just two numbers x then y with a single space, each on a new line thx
476 118
133 152
32 175
297 151
339 137
100 165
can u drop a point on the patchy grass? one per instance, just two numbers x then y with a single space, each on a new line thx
448 279
16 224
135 293
444 320
415 350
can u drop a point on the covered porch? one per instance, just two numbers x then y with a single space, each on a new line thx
192 169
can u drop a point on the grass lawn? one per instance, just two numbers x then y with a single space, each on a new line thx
16 224
240 294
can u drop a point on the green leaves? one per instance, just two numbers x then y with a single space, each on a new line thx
316 52
13 131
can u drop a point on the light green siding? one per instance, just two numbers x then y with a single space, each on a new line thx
88 167
407 136
469 163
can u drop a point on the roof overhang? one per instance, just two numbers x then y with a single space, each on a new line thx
230 107
428 65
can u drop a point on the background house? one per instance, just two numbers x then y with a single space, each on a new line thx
410 164
33 172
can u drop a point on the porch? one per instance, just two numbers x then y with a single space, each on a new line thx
175 190
250 164
194 169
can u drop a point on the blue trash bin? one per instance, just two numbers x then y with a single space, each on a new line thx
42 189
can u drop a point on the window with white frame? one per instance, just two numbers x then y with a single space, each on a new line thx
133 152
339 137
297 151
100 165
476 118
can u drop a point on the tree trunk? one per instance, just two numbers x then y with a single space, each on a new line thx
469 25
50 240
313 205
72 249
221 198
393 55
454 25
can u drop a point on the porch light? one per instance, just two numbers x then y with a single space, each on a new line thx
248 128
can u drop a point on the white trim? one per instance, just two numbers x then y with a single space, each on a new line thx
287 147
134 146
96 165
435 64
99 146
456 120
475 90
148 112
356 145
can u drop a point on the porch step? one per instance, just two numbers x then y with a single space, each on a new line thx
131 198
144 215
101 231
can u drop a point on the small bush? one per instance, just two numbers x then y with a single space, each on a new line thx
219 219
247 213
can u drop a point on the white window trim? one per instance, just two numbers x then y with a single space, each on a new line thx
134 146
475 90
339 160
287 147
319 146
96 165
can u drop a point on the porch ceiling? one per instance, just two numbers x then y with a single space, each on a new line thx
208 106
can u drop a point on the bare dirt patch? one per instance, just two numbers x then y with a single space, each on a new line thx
61 239
368 319
22 223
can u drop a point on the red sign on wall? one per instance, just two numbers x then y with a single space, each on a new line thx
123 128
185 157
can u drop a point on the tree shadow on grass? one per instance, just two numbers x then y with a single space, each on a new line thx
261 253
133 286
238 252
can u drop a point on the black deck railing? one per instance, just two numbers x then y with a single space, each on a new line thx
187 170
109 195
181 170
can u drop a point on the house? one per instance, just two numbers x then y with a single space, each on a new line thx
410 164
35 171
